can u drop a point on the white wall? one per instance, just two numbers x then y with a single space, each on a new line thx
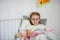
10 9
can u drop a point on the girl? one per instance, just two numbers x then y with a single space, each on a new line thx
36 31
36 28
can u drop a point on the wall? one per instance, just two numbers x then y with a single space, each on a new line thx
11 9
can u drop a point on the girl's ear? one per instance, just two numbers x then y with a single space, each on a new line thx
30 22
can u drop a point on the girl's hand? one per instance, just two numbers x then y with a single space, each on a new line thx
44 31
19 35
28 33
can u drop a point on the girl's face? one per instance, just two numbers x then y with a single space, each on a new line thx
35 19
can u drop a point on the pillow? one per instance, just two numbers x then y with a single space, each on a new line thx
43 21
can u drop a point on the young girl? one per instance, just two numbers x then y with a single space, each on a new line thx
36 28
36 31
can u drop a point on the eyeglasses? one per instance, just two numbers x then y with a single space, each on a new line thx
35 19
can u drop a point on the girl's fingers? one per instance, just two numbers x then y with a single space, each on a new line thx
19 35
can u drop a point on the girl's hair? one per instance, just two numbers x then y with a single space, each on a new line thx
34 13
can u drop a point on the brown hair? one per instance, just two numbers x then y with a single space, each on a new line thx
34 13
